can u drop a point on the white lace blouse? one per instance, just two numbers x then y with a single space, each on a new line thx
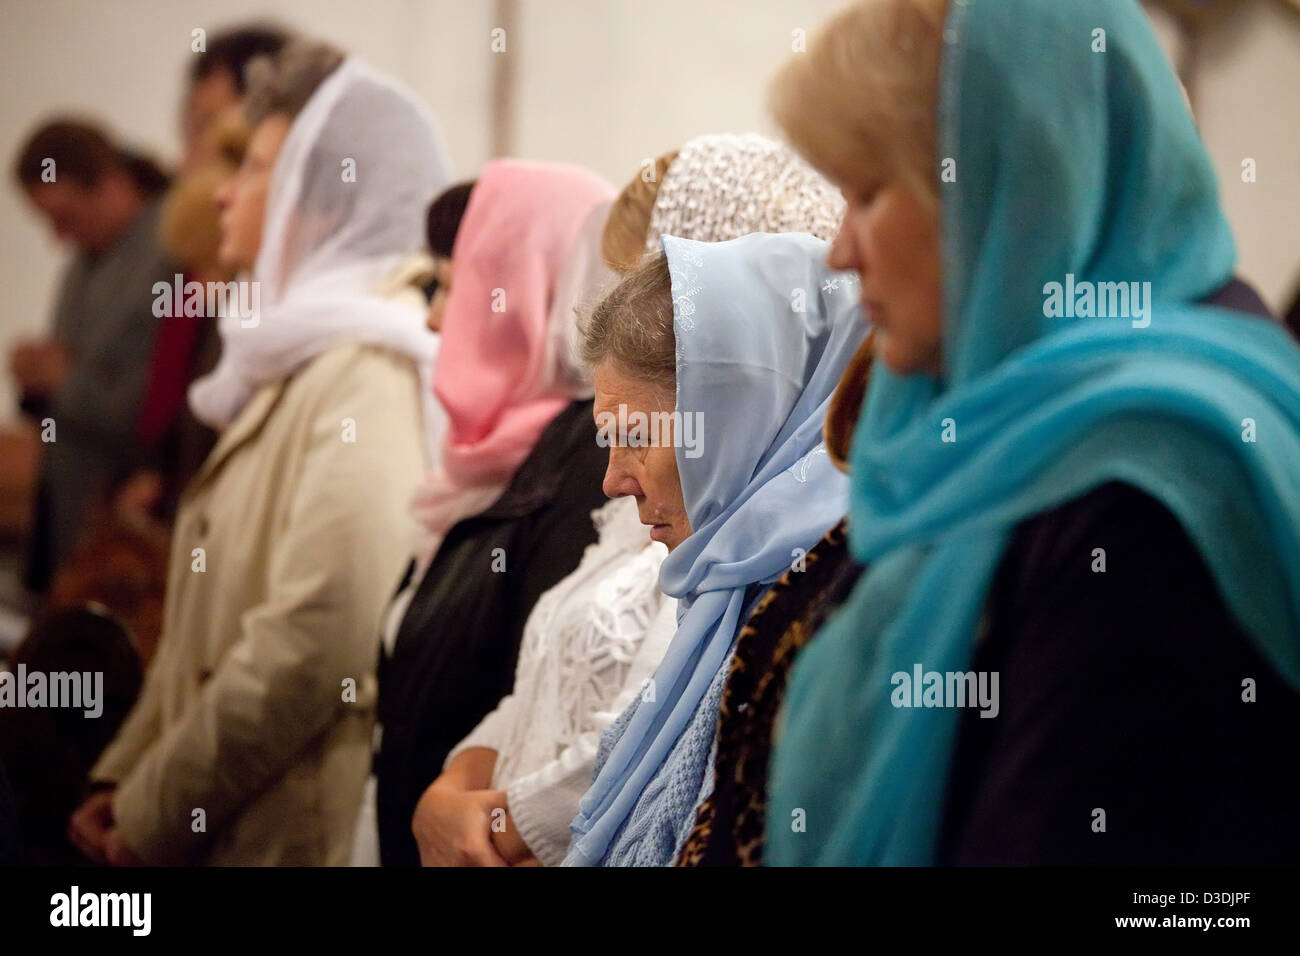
590 645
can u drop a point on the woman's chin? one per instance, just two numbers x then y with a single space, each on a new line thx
899 357
666 535
231 260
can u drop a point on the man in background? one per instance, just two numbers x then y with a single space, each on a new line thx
95 374
83 382
216 82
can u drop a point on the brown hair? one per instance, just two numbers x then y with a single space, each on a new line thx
861 103
846 403
284 83
83 153
234 49
443 217
623 243
633 326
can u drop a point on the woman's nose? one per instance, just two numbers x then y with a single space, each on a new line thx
611 482
841 255
433 318
618 482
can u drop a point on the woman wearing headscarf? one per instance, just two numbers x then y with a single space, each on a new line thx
594 640
250 740
1075 637
730 825
507 511
713 364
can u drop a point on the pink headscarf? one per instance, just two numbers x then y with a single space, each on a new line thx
498 374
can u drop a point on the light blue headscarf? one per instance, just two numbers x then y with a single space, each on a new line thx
1068 161
764 331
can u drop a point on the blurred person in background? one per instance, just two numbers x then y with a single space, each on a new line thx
259 704
506 511
120 561
172 443
442 223
84 382
47 751
218 81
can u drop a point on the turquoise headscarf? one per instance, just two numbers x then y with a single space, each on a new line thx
1075 156
764 332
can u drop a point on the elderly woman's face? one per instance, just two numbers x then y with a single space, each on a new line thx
644 467
892 241
242 198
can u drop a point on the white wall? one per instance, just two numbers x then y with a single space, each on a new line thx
605 83
612 83
1248 94
1245 87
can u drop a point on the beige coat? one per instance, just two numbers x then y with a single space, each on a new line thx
245 746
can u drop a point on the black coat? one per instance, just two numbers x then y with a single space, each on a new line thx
456 649
1122 691
11 843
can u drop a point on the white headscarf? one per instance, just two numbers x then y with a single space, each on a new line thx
346 205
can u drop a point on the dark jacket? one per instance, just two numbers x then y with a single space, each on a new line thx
456 648
1122 692
11 843
105 315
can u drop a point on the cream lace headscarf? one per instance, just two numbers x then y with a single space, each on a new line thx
722 186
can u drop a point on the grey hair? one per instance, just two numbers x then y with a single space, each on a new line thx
633 326
284 83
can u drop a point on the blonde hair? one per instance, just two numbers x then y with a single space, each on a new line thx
623 243
861 104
